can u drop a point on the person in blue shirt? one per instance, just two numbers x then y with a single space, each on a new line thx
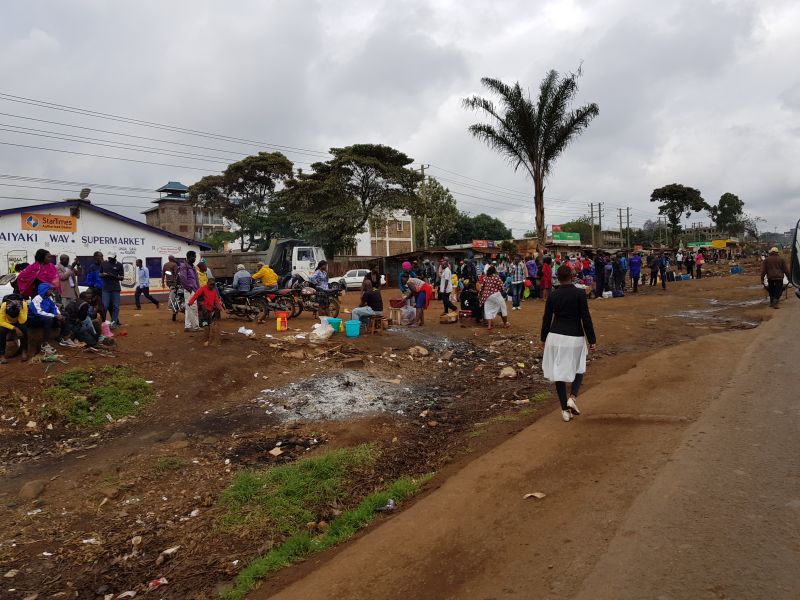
623 265
143 284
636 271
242 280
320 282
93 281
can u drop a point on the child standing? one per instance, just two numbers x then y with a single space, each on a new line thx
209 306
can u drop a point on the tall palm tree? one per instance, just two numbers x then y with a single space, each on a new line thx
533 135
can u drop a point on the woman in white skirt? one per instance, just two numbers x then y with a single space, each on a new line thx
566 328
491 297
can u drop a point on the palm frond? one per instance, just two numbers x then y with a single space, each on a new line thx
576 122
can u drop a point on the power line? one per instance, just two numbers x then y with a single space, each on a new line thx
77 183
143 162
154 125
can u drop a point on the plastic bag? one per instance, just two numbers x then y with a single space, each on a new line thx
407 314
320 333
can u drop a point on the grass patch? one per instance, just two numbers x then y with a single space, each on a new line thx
302 544
503 419
526 411
284 498
84 397
168 463
540 397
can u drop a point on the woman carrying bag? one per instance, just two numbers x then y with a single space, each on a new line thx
566 328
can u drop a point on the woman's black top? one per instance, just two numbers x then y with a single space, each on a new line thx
567 313
373 300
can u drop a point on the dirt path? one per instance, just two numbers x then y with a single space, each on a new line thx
641 501
109 483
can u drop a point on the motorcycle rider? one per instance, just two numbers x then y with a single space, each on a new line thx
266 277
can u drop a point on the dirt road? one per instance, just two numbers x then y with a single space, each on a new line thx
679 481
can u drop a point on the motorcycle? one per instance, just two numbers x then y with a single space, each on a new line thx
243 304
306 297
278 300
177 302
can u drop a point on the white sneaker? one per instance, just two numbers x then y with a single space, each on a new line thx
566 415
573 407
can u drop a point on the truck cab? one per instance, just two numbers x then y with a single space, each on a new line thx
305 260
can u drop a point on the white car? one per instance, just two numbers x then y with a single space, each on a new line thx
352 279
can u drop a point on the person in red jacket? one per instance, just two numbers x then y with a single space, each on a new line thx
209 305
547 278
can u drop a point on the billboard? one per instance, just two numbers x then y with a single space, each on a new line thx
40 222
565 236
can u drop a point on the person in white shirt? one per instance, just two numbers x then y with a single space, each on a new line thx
143 285
446 287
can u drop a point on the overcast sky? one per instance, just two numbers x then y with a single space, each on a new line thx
706 94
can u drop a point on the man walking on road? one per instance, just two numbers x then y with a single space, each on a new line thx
774 268
187 275
143 284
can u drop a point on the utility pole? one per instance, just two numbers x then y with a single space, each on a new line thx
628 228
620 228
600 222
591 212
422 168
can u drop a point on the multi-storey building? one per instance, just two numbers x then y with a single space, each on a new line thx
175 214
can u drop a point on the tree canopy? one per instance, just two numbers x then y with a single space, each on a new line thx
244 194
532 133
437 206
479 227
333 203
677 200
728 214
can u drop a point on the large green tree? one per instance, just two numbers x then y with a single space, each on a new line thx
479 227
244 194
532 133
436 213
728 214
333 203
676 200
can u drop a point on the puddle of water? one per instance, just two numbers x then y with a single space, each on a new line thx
432 340
342 396
697 313
737 303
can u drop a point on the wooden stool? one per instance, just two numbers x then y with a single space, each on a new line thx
376 324
394 316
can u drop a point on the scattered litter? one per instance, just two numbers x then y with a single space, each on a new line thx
11 573
168 553
418 351
521 365
122 596
31 424
320 333
537 495
245 331
255 375
276 452
156 583
47 554
388 507
150 381
35 511
508 372
92 541
148 354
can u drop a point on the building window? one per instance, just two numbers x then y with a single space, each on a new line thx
183 228
181 211
399 225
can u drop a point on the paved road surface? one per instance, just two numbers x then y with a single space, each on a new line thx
680 481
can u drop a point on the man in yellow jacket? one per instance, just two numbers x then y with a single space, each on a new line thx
13 316
266 276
